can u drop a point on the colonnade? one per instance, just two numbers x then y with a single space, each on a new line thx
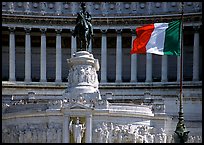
58 77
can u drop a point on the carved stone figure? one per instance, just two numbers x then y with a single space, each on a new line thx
106 132
78 131
113 133
100 135
139 136
110 133
163 134
81 75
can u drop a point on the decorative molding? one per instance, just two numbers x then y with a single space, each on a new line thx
82 74
108 9
27 30
103 30
109 132
33 133
58 31
196 28
43 30
119 31
12 29
96 22
133 31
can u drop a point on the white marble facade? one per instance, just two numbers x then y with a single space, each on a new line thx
35 120
41 129
38 112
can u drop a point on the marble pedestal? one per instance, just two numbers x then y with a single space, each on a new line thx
82 78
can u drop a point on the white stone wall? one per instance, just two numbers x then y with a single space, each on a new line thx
47 127
34 129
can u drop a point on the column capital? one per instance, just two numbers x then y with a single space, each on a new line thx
196 28
89 115
58 31
71 30
43 30
12 29
104 30
118 30
133 31
27 30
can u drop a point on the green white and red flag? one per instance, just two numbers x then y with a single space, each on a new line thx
158 38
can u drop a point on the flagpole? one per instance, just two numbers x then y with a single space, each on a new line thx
181 132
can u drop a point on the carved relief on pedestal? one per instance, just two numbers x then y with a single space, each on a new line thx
82 74
82 79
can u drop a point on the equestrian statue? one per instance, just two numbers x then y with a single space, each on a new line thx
83 29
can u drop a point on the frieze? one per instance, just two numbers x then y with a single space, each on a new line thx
111 8
82 74
55 104
108 132
53 22
33 133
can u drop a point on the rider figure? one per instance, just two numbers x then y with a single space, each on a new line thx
86 16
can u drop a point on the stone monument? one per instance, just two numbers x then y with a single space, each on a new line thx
82 95
82 79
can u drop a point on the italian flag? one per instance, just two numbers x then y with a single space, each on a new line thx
158 38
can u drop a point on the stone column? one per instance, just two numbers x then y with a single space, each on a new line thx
58 56
148 67
88 129
90 46
104 56
27 55
43 56
73 45
196 55
119 56
164 68
12 58
133 60
66 135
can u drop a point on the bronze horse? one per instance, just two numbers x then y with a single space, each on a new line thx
83 33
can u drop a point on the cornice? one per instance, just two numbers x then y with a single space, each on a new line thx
97 22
